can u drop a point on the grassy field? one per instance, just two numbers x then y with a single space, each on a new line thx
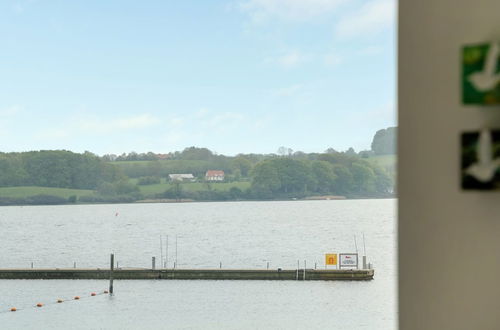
19 192
150 190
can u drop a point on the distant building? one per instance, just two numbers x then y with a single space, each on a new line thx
181 177
163 156
213 175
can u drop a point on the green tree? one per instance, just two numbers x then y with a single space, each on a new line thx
282 177
194 153
235 193
295 175
265 179
344 180
384 141
175 191
350 152
243 165
106 189
383 182
325 176
363 178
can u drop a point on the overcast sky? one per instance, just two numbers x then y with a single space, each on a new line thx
230 75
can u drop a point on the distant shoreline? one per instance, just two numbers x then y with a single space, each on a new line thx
173 201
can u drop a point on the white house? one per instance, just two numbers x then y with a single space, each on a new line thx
181 177
213 175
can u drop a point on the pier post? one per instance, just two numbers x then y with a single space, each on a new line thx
112 266
298 266
153 262
161 251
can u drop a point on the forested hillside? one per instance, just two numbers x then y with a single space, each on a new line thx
58 176
62 169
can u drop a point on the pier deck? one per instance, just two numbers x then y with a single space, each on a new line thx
186 274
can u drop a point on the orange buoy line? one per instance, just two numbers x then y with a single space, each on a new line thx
58 301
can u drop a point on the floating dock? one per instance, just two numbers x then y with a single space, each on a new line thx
187 274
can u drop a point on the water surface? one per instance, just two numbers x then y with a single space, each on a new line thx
238 234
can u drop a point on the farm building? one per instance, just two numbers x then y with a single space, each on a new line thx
181 177
214 175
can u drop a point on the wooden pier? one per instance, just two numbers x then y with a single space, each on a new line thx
187 274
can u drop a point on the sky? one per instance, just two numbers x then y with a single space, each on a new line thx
234 76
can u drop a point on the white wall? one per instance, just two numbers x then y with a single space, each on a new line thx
449 240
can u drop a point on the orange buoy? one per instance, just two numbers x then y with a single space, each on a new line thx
93 294
77 297
13 309
106 291
59 301
39 305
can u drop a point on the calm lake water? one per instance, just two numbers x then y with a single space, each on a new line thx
238 234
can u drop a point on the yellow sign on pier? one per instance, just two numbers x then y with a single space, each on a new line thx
330 259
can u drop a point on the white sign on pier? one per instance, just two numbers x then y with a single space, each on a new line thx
348 260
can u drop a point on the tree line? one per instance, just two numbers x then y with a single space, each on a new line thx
56 168
286 177
383 143
283 175
334 173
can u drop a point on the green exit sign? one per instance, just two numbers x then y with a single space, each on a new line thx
481 74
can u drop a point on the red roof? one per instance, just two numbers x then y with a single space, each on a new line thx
214 173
